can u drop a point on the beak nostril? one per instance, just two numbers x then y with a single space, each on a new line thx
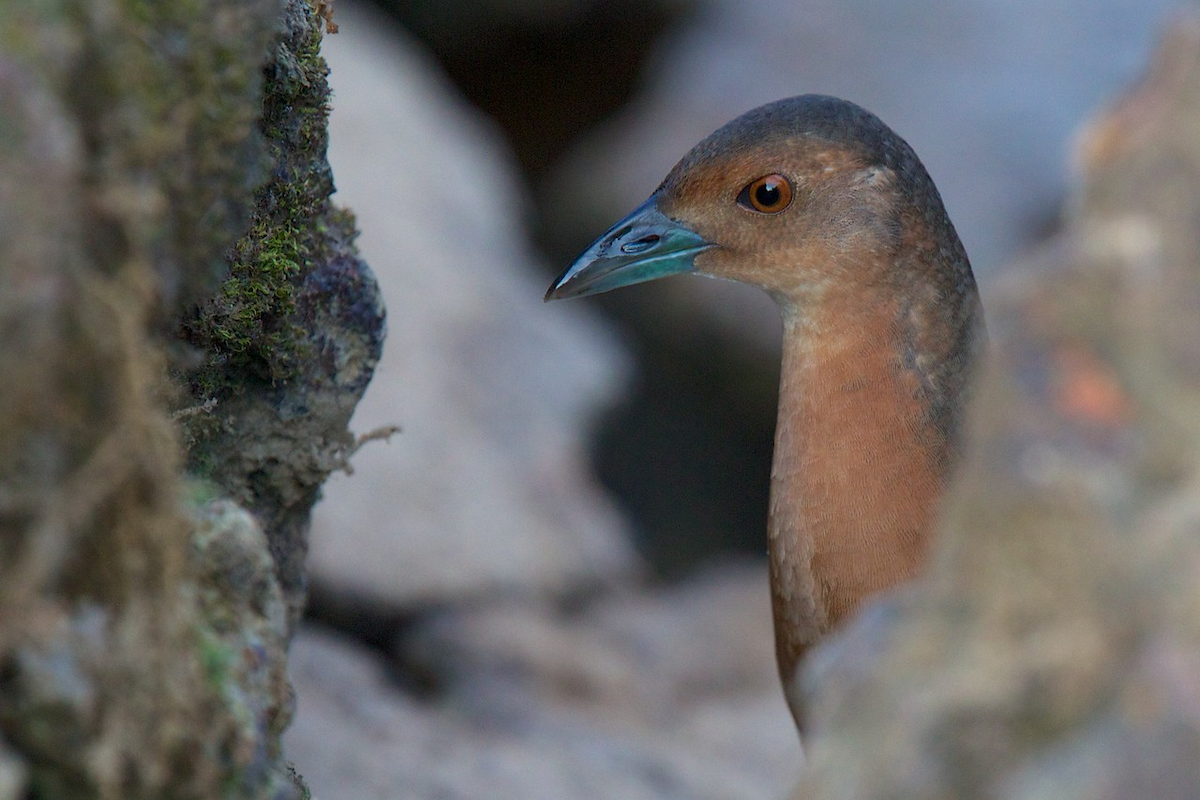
640 245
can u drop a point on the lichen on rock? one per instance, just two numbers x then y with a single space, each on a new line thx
143 623
249 326
290 340
243 633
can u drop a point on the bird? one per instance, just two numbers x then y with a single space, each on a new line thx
817 201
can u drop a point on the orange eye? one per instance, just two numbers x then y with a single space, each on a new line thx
769 194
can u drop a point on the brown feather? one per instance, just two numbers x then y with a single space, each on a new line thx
882 326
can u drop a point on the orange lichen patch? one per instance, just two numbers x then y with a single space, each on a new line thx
1088 390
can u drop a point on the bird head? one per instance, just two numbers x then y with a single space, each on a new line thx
803 197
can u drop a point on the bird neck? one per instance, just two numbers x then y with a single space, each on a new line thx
860 462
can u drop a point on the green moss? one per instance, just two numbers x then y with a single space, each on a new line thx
248 330
298 782
215 659
197 492
218 665
248 324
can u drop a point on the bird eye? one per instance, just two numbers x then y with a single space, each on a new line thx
769 194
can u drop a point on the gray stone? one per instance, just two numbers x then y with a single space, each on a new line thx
487 487
667 696
127 163
243 631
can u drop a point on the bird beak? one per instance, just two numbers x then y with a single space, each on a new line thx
645 245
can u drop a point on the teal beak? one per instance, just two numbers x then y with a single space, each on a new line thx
644 246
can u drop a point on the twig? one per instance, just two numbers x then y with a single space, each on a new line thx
384 433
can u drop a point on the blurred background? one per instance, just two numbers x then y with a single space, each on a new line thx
552 582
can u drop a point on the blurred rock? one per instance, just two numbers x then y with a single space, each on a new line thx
487 488
633 655
13 775
128 162
668 696
243 631
545 70
1054 647
464 20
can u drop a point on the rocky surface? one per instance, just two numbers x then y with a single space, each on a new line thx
100 244
488 486
144 616
288 342
243 633
666 695
1053 649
